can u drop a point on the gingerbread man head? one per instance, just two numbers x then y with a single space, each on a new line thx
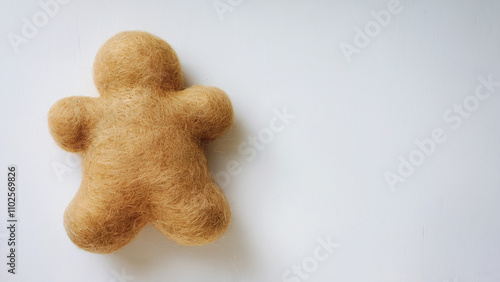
142 149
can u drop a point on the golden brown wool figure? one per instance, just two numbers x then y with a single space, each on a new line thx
142 149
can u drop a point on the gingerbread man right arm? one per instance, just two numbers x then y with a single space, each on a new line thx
208 111
71 120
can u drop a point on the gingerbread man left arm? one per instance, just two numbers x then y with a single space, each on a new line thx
71 120
208 111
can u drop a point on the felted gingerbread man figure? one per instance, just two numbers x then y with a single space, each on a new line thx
142 149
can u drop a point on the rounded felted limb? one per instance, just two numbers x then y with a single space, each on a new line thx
197 217
99 222
208 111
71 120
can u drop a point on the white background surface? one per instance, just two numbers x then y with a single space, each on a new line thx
321 178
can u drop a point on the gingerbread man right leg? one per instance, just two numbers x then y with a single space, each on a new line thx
196 217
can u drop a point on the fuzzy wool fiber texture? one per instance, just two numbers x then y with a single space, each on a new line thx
142 145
